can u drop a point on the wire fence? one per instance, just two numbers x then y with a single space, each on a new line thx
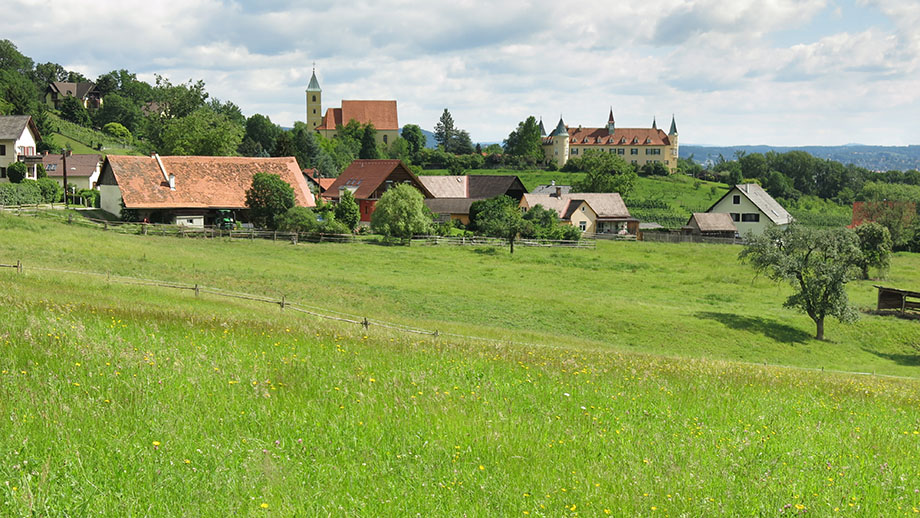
368 323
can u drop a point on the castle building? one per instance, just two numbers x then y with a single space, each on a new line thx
382 114
639 146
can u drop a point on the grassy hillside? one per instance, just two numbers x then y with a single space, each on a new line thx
87 141
123 400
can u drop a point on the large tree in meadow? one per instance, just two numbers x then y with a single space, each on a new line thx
816 263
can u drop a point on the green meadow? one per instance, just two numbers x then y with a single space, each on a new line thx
627 380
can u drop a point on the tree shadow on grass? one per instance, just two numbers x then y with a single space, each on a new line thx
908 360
767 327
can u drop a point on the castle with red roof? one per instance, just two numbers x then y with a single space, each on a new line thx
638 146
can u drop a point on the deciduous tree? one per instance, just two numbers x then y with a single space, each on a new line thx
816 263
401 213
268 198
875 244
605 172
525 141
347 211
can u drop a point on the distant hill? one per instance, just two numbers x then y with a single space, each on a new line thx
874 158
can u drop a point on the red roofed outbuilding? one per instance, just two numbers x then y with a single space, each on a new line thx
188 190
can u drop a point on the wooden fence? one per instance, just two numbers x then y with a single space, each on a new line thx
679 237
156 229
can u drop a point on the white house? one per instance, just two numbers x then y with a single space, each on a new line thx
751 209
18 140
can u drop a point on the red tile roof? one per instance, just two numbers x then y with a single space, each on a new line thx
381 113
365 176
201 181
621 137
313 176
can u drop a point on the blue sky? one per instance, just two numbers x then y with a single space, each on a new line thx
780 72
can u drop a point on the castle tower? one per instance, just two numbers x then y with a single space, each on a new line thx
560 137
672 136
654 122
314 103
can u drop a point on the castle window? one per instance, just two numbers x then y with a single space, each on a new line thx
314 100
633 151
621 151
574 150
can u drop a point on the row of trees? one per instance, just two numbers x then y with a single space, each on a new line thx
400 213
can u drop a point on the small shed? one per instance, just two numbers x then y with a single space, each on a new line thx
711 224
899 300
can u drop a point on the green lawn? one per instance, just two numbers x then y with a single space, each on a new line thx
125 400
82 149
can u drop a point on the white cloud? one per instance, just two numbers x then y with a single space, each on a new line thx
492 64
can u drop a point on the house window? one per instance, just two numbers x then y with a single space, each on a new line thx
2 149
621 151
385 139
633 151
736 199
634 162
736 217
2 172
653 151
574 150
750 218
583 225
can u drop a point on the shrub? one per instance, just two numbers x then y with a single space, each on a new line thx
268 198
25 193
16 172
401 213
298 219
52 191
90 197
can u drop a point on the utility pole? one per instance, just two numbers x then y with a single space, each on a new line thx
64 155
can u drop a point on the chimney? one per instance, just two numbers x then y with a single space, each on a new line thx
162 169
172 182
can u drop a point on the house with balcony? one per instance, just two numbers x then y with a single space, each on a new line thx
18 141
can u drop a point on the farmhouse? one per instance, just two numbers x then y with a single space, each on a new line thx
382 114
188 190
369 179
593 213
711 224
638 146
18 138
453 195
751 209
84 91
82 170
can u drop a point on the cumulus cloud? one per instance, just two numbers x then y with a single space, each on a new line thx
713 62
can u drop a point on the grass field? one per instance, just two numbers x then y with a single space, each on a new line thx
142 401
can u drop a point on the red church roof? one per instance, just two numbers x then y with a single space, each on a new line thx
381 113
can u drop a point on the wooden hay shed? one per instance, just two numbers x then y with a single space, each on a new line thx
899 300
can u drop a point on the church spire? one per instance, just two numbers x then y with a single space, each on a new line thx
542 129
314 84
611 124
654 122
673 130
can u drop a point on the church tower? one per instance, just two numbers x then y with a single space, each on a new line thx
314 103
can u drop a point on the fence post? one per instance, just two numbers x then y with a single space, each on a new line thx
106 223
19 265
294 239
69 218
366 324
282 303
252 234
274 235
196 289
